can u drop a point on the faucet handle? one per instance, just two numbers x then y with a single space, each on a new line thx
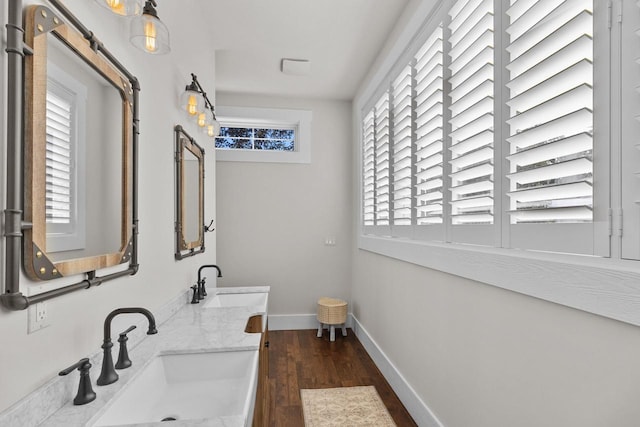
203 290
195 299
85 392
123 355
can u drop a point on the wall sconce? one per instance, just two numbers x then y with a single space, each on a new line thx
192 101
148 33
195 102
122 7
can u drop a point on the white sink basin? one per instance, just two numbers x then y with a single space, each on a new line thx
238 300
188 386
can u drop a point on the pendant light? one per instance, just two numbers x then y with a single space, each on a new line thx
122 7
192 100
148 33
212 127
213 130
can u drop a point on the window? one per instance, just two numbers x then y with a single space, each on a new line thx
429 133
64 208
263 135
434 166
245 138
550 121
471 108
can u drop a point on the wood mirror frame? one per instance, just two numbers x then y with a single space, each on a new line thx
187 146
38 265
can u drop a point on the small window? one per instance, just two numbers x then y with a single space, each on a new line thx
263 135
263 138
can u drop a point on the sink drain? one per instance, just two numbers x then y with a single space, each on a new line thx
169 419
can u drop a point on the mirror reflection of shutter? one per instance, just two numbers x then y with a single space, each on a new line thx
58 160
429 130
551 114
402 108
472 104
383 187
368 170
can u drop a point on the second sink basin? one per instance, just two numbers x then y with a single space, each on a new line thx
238 300
188 386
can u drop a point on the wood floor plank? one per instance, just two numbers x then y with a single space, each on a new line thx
299 360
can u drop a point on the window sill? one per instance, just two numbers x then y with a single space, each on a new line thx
602 286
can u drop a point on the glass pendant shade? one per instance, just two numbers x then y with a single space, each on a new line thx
215 129
212 127
149 34
192 101
202 120
123 7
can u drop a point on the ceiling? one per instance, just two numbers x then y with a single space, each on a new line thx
341 38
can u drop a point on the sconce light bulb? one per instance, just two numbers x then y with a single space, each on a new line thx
150 35
210 131
192 105
202 119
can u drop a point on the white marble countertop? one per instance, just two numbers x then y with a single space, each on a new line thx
191 329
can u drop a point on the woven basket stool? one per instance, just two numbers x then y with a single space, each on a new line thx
332 312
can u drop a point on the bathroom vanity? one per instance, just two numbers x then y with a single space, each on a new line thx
207 366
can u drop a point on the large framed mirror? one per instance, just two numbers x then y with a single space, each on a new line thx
189 195
78 155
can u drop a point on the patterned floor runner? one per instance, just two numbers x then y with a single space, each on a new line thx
344 407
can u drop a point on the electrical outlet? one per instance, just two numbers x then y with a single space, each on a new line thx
38 315
330 241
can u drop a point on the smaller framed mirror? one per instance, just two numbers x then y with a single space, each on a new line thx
189 172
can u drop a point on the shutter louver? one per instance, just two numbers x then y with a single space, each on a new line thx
472 117
58 160
551 111
382 162
429 130
402 153
368 170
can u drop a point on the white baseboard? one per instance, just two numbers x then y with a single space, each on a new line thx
420 412
294 322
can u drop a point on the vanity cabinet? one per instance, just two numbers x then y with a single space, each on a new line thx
261 410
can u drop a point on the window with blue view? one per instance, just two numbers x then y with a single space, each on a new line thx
256 138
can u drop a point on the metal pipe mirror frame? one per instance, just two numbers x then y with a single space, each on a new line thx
183 141
18 228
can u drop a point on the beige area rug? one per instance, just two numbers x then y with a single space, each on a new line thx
344 407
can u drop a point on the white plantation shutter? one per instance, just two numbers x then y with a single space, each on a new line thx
58 159
402 152
463 121
550 116
382 160
368 170
429 126
472 105
65 129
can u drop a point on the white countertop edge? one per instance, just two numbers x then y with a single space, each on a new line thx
243 290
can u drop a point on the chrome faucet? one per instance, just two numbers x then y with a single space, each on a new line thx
202 292
108 373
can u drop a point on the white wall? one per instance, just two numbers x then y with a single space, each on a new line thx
273 218
29 360
482 356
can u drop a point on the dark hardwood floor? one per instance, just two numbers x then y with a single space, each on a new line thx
298 359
